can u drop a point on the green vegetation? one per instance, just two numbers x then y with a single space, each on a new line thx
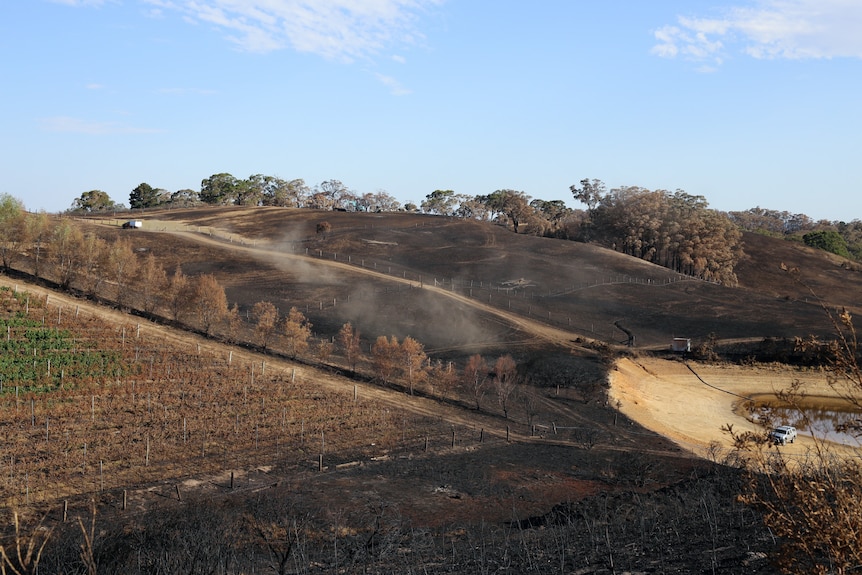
827 240
38 358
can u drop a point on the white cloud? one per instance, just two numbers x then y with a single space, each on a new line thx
78 126
395 87
793 29
338 29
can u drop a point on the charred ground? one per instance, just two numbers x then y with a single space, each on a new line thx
590 492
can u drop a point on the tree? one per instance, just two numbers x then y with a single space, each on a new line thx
144 196
332 194
122 268
348 341
209 301
94 263
552 213
65 249
265 315
384 357
185 198
591 193
234 323
94 201
323 350
673 229
413 359
39 231
443 376
827 240
513 204
152 281
297 331
382 201
475 378
219 189
14 230
474 208
440 202
296 194
505 381
177 293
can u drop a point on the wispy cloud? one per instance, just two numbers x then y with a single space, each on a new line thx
792 29
395 87
337 29
79 126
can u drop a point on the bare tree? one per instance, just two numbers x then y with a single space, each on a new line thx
122 267
323 350
152 281
177 293
234 323
94 263
65 248
265 315
384 357
13 229
475 378
39 231
348 340
413 359
209 300
505 381
297 331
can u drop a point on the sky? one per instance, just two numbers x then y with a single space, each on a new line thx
749 103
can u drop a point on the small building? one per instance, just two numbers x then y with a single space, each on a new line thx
133 224
681 345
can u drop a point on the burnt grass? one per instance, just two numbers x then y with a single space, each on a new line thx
604 496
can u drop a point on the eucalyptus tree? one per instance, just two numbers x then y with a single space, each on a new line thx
219 189
14 231
144 196
440 202
94 201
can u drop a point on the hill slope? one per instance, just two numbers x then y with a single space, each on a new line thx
580 288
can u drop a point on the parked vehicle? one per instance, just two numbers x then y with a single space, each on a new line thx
133 224
783 434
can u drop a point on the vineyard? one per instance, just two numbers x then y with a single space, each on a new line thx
90 407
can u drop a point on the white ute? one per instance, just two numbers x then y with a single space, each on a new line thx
783 435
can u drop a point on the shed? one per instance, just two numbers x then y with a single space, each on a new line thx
681 344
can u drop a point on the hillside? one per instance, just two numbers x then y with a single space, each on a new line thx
407 480
581 288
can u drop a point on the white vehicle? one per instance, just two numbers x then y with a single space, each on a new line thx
783 435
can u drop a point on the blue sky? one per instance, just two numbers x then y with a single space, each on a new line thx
746 102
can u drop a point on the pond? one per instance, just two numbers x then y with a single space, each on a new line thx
825 417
